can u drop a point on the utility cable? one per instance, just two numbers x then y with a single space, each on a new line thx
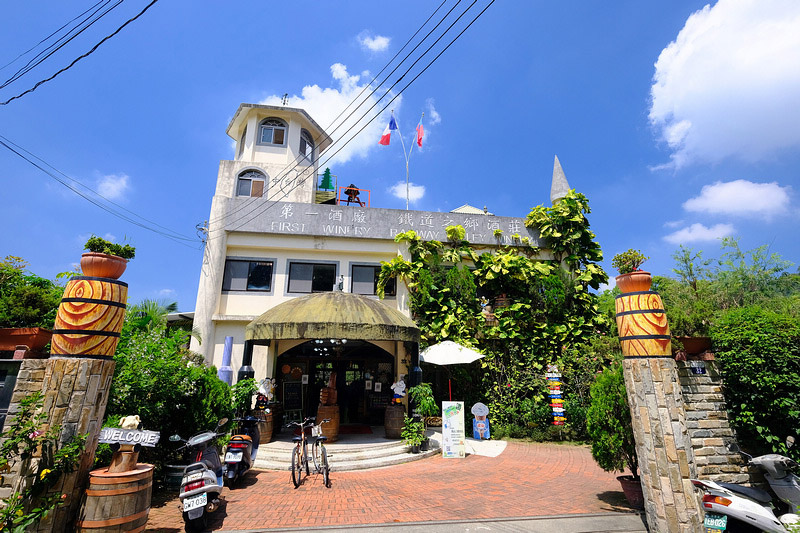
32 48
95 47
147 224
60 43
267 207
282 193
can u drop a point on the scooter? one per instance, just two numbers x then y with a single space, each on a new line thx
733 508
202 480
241 450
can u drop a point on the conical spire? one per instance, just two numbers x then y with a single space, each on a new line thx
560 187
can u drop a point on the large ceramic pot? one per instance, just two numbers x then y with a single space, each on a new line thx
638 281
632 487
695 345
99 265
33 338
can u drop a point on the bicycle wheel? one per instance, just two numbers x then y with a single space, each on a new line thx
315 455
297 466
326 470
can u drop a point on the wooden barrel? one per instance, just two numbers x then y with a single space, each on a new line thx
394 420
265 425
117 501
329 429
277 417
90 317
642 325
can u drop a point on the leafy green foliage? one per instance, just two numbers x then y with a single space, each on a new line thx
169 387
550 309
422 397
99 245
608 421
628 261
413 432
759 354
242 394
26 300
21 440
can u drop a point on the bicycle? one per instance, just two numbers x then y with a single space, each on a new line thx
319 454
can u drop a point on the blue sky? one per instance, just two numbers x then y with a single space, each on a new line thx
677 119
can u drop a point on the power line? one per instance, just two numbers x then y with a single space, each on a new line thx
283 193
95 47
269 206
146 224
60 43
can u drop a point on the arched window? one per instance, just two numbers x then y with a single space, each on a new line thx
306 145
272 131
251 183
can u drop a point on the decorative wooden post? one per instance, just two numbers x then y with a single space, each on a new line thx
75 380
663 447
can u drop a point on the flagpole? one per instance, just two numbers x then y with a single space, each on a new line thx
403 145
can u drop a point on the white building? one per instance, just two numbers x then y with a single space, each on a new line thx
269 242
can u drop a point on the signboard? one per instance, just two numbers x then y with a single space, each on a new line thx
698 367
556 399
453 438
292 396
129 436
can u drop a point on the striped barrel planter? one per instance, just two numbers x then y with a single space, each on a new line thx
642 325
90 318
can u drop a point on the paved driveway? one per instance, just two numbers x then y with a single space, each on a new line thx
525 480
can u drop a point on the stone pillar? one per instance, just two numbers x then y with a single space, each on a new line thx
663 446
75 382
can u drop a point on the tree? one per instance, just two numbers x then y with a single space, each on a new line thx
327 180
26 300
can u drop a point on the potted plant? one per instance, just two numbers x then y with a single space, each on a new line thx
105 259
425 404
413 433
608 423
631 278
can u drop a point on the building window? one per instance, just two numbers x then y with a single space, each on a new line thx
250 183
365 281
306 145
244 275
241 143
272 131
311 277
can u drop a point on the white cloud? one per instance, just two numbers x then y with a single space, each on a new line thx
728 84
434 117
325 104
699 233
741 197
673 224
374 44
113 186
415 192
166 293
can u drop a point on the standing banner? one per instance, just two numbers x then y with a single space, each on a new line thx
453 438
556 397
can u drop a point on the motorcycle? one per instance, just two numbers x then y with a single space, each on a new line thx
202 480
241 450
734 508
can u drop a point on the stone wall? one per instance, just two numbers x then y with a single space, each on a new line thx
707 424
76 394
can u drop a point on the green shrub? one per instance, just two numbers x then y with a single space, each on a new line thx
759 356
26 300
99 245
608 422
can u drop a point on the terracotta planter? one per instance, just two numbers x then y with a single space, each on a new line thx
632 487
637 281
33 338
695 345
99 265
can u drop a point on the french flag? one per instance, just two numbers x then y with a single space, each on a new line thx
387 133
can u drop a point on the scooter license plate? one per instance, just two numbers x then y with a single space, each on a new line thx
233 457
715 523
193 502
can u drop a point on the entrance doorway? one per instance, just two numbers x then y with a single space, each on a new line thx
364 375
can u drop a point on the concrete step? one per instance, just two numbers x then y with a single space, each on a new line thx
346 456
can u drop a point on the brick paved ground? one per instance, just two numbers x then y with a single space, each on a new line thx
525 480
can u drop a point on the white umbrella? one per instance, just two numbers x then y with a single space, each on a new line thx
448 353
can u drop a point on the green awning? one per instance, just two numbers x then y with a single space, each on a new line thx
333 315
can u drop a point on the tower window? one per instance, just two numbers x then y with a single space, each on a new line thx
241 143
250 183
306 145
272 131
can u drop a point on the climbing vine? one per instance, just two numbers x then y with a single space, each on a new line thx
458 292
